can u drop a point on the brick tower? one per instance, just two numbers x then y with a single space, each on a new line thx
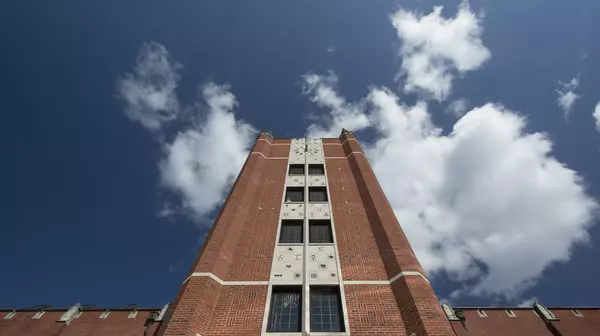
306 244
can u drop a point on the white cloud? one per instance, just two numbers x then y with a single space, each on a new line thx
458 108
486 194
321 90
149 93
597 116
331 49
202 160
201 163
528 303
434 49
567 96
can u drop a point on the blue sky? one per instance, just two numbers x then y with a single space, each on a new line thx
112 108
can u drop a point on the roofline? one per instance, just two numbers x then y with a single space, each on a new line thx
523 308
85 310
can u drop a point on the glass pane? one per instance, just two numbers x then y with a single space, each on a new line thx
328 318
317 194
294 195
296 169
320 232
284 315
316 170
291 232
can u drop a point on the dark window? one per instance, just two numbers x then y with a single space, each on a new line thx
286 307
291 232
320 232
316 169
294 194
297 169
317 194
326 310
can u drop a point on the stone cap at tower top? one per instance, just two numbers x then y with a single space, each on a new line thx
344 132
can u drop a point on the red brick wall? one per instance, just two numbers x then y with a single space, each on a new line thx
569 324
372 310
497 323
88 324
359 255
239 248
372 245
239 311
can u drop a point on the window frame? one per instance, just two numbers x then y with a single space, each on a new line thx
296 166
289 223
335 290
312 240
317 189
278 290
294 189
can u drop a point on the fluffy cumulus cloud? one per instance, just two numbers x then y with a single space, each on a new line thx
458 107
436 49
321 90
202 162
473 201
567 96
596 115
149 92
203 158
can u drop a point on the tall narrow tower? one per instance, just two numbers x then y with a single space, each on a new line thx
306 244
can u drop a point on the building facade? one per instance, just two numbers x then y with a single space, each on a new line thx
306 243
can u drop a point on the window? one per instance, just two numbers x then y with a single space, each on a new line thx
325 310
38 315
317 194
297 169
481 313
104 314
316 169
291 232
576 312
286 307
9 315
319 232
511 313
294 194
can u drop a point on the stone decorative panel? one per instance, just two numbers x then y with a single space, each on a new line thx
292 211
295 181
322 266
316 180
318 211
287 265
314 153
297 149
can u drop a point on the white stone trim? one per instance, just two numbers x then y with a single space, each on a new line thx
275 144
385 282
226 283
269 158
343 157
338 144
